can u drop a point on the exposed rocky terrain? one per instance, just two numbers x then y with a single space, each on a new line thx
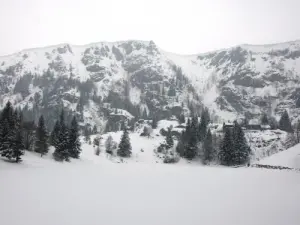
136 79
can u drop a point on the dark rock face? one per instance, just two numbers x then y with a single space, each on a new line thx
117 53
143 80
248 81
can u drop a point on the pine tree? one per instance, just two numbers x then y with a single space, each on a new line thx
61 152
124 149
180 146
192 135
95 130
154 122
240 151
226 149
298 103
205 118
54 134
109 145
18 147
181 118
144 115
17 144
41 134
298 131
11 143
74 146
208 147
169 139
285 123
264 119
98 147
5 127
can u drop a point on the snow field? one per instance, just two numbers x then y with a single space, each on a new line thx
112 194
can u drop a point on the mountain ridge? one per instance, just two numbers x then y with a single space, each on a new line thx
276 44
233 82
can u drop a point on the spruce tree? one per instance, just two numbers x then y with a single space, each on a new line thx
11 142
264 119
74 146
154 122
181 118
205 118
124 149
298 131
18 147
298 103
144 115
285 123
95 130
54 133
225 154
169 139
208 147
180 146
17 144
191 148
6 120
61 152
109 145
41 134
241 150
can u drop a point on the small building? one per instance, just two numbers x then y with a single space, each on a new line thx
265 127
228 125
253 127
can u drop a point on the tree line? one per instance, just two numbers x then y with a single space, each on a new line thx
197 141
17 135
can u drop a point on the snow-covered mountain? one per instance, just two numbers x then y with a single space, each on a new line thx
138 79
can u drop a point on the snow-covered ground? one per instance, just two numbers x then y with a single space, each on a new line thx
44 192
288 158
143 191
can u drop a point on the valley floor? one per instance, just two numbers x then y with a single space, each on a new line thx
43 192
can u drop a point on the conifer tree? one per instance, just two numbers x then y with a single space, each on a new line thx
6 120
109 145
285 123
11 144
74 146
154 122
144 115
54 133
208 147
202 128
226 149
169 139
181 118
180 146
95 130
241 150
124 149
298 103
298 131
17 142
61 152
191 148
264 119
41 134
18 147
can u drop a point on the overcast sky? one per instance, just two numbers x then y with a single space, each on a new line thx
180 26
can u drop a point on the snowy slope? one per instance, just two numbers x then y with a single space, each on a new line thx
289 158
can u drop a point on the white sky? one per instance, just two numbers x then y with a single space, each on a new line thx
180 26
